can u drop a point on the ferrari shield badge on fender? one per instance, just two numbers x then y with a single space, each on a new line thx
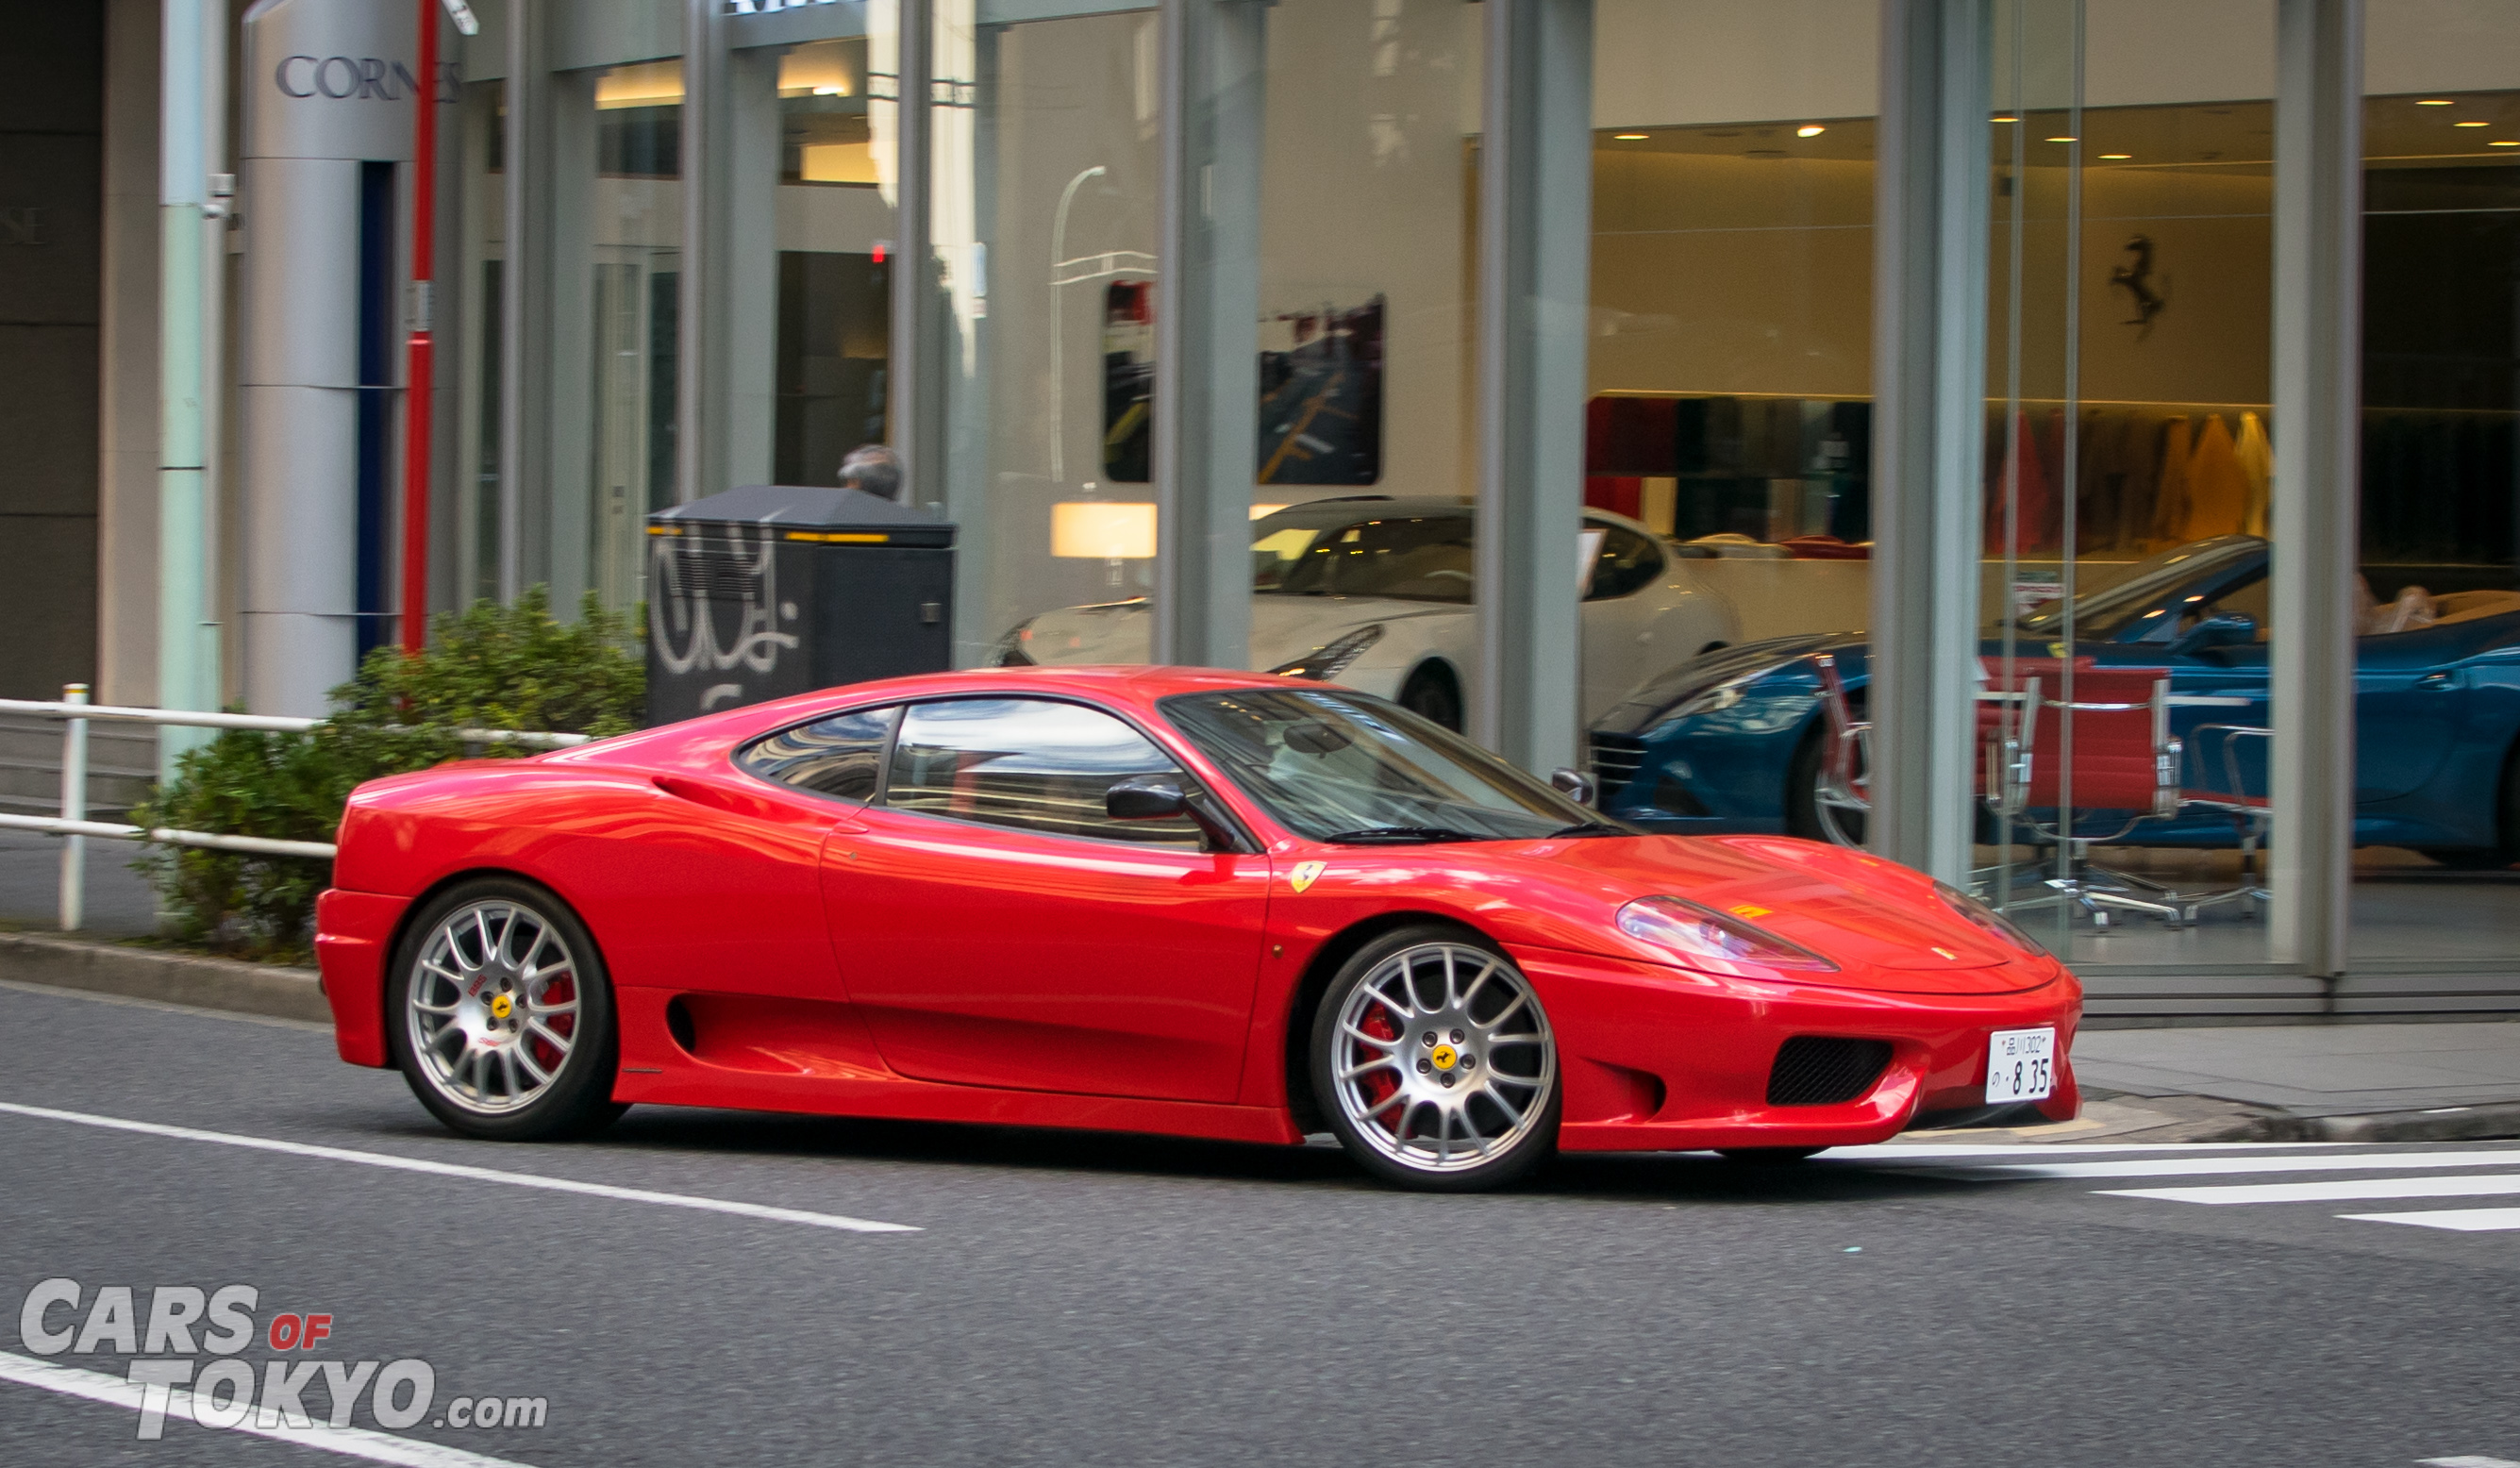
1305 874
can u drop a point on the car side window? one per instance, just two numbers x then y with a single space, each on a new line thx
1627 562
840 756
1029 763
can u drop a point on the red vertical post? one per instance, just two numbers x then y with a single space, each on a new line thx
416 391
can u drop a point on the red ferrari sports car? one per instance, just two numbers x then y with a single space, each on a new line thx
1157 900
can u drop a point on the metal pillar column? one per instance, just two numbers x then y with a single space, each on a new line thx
524 306
1207 351
2319 415
1930 223
1535 245
914 407
724 388
192 142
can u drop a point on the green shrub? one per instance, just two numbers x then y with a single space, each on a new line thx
489 667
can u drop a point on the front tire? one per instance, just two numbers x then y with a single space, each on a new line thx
1434 694
1436 1064
500 1014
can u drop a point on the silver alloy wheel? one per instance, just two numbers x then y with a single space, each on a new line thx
492 1013
1443 1060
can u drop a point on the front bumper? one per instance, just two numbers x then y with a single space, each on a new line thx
353 930
1660 1059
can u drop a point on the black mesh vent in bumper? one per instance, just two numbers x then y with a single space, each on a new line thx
1616 759
1819 1070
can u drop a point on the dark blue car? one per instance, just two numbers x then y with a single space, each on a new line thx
1730 741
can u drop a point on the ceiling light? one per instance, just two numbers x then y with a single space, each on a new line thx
2502 144
2434 102
2003 119
1809 130
1630 137
2064 140
2467 124
2116 157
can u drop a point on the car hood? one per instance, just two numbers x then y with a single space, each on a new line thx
1880 922
1282 628
1649 701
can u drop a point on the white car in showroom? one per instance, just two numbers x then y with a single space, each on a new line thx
1374 592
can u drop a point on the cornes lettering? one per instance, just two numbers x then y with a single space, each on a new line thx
357 78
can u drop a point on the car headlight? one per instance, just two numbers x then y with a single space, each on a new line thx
1988 921
1327 661
1010 652
1701 937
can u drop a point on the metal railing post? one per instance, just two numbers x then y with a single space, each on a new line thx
73 808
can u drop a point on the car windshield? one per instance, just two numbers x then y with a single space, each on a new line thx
2102 615
1414 557
1327 762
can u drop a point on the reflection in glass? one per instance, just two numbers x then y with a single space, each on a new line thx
1029 763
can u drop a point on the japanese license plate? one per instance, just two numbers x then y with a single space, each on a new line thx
2020 1065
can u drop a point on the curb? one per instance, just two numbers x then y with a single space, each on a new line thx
171 978
2440 1124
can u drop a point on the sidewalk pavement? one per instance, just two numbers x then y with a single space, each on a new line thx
2338 1082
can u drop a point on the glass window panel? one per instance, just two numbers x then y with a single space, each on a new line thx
1728 416
2437 686
1031 764
841 756
2127 471
1046 160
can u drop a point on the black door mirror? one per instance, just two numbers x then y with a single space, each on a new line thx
2224 629
1146 798
1574 784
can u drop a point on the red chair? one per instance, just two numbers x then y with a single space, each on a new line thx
2111 749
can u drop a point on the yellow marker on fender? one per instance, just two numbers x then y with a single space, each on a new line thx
1305 874
1749 909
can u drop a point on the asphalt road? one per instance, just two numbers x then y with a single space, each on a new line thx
1077 1299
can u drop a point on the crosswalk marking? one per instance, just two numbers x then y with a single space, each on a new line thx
2465 1219
2216 1167
2072 1162
2330 1191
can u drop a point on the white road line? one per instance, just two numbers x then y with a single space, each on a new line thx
2215 1167
2469 1460
471 1174
1893 1151
350 1442
2330 1191
2465 1220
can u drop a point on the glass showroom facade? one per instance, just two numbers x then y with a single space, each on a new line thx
2089 423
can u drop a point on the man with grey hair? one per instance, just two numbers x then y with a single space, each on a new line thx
875 469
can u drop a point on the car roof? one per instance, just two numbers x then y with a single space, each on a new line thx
1354 509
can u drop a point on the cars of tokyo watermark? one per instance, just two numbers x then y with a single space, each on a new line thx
218 1357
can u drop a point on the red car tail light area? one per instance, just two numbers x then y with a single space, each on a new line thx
1701 938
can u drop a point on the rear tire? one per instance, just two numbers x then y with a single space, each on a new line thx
1434 1063
499 1012
1432 693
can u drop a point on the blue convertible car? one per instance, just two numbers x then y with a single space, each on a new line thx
1732 740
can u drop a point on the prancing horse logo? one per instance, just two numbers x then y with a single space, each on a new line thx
1304 875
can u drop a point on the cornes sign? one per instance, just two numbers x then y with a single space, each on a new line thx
330 79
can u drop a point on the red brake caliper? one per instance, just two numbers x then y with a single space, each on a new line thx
1378 1085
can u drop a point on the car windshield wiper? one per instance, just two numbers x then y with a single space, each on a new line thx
1398 835
1597 829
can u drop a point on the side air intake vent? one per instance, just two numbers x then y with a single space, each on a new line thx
1820 1070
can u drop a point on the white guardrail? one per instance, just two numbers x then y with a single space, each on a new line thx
73 826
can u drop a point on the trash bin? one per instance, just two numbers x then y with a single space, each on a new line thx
777 589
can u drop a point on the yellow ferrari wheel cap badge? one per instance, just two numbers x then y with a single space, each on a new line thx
502 1006
1444 1056
1305 874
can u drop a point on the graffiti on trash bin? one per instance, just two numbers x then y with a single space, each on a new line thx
701 584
